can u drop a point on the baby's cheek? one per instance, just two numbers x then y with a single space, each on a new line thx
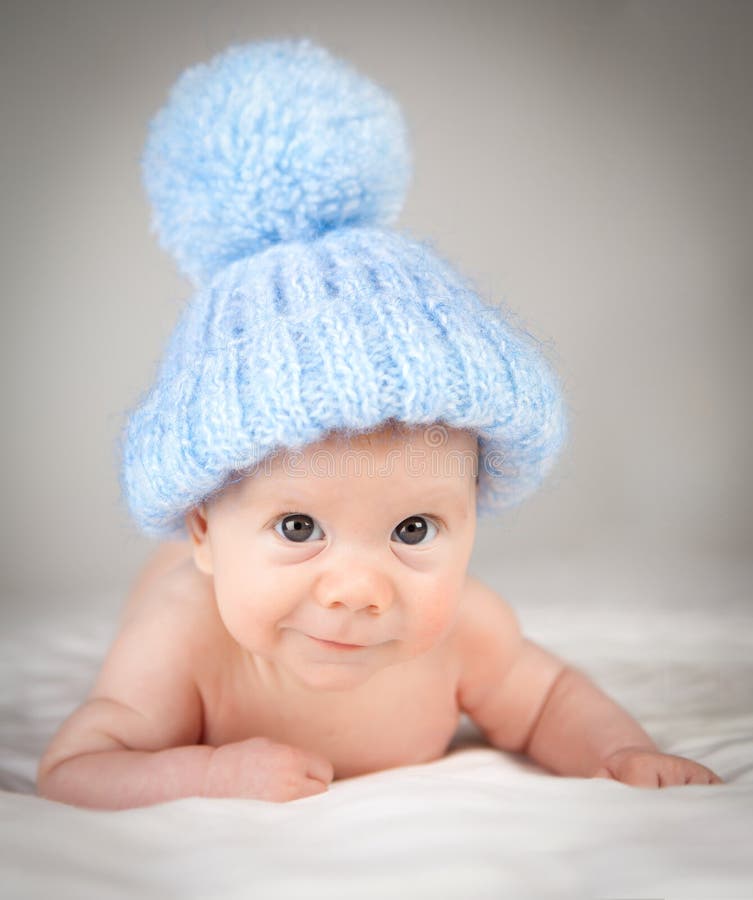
240 615
433 617
234 620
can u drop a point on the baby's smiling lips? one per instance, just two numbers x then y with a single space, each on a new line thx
336 645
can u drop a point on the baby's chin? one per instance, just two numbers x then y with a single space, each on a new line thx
322 678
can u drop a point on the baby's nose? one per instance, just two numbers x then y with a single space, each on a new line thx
356 591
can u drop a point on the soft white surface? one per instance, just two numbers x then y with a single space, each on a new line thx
669 641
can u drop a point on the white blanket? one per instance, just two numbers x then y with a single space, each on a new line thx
672 643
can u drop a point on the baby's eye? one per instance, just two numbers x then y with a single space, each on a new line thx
298 527
414 530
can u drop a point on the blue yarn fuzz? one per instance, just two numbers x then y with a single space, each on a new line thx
269 142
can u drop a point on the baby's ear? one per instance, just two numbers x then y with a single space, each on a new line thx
196 524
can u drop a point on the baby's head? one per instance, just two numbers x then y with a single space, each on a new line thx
317 333
360 539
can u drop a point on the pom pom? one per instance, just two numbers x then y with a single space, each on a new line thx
272 141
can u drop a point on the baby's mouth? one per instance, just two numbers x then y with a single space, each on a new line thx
336 645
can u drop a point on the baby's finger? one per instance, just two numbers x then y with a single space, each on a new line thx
319 768
701 776
696 778
603 773
679 772
311 787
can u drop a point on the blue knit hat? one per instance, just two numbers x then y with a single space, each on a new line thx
273 172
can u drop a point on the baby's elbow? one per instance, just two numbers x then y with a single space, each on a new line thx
54 756
40 783
48 781
50 769
60 779
45 781
87 730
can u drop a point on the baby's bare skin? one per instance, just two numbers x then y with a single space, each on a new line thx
407 713
217 672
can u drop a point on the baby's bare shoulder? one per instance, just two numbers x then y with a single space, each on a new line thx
168 626
488 637
165 578
169 585
483 611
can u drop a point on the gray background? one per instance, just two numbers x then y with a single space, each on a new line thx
587 163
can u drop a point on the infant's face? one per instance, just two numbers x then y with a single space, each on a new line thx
363 542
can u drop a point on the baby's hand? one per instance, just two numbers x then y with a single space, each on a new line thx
265 770
650 768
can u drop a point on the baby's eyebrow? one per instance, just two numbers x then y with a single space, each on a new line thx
431 503
426 502
295 494
266 498
437 499
301 503
285 497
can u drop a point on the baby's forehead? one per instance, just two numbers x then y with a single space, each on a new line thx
394 434
424 450
418 458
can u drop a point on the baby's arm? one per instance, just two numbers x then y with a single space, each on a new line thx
528 701
134 742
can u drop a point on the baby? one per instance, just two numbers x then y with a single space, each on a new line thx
334 410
